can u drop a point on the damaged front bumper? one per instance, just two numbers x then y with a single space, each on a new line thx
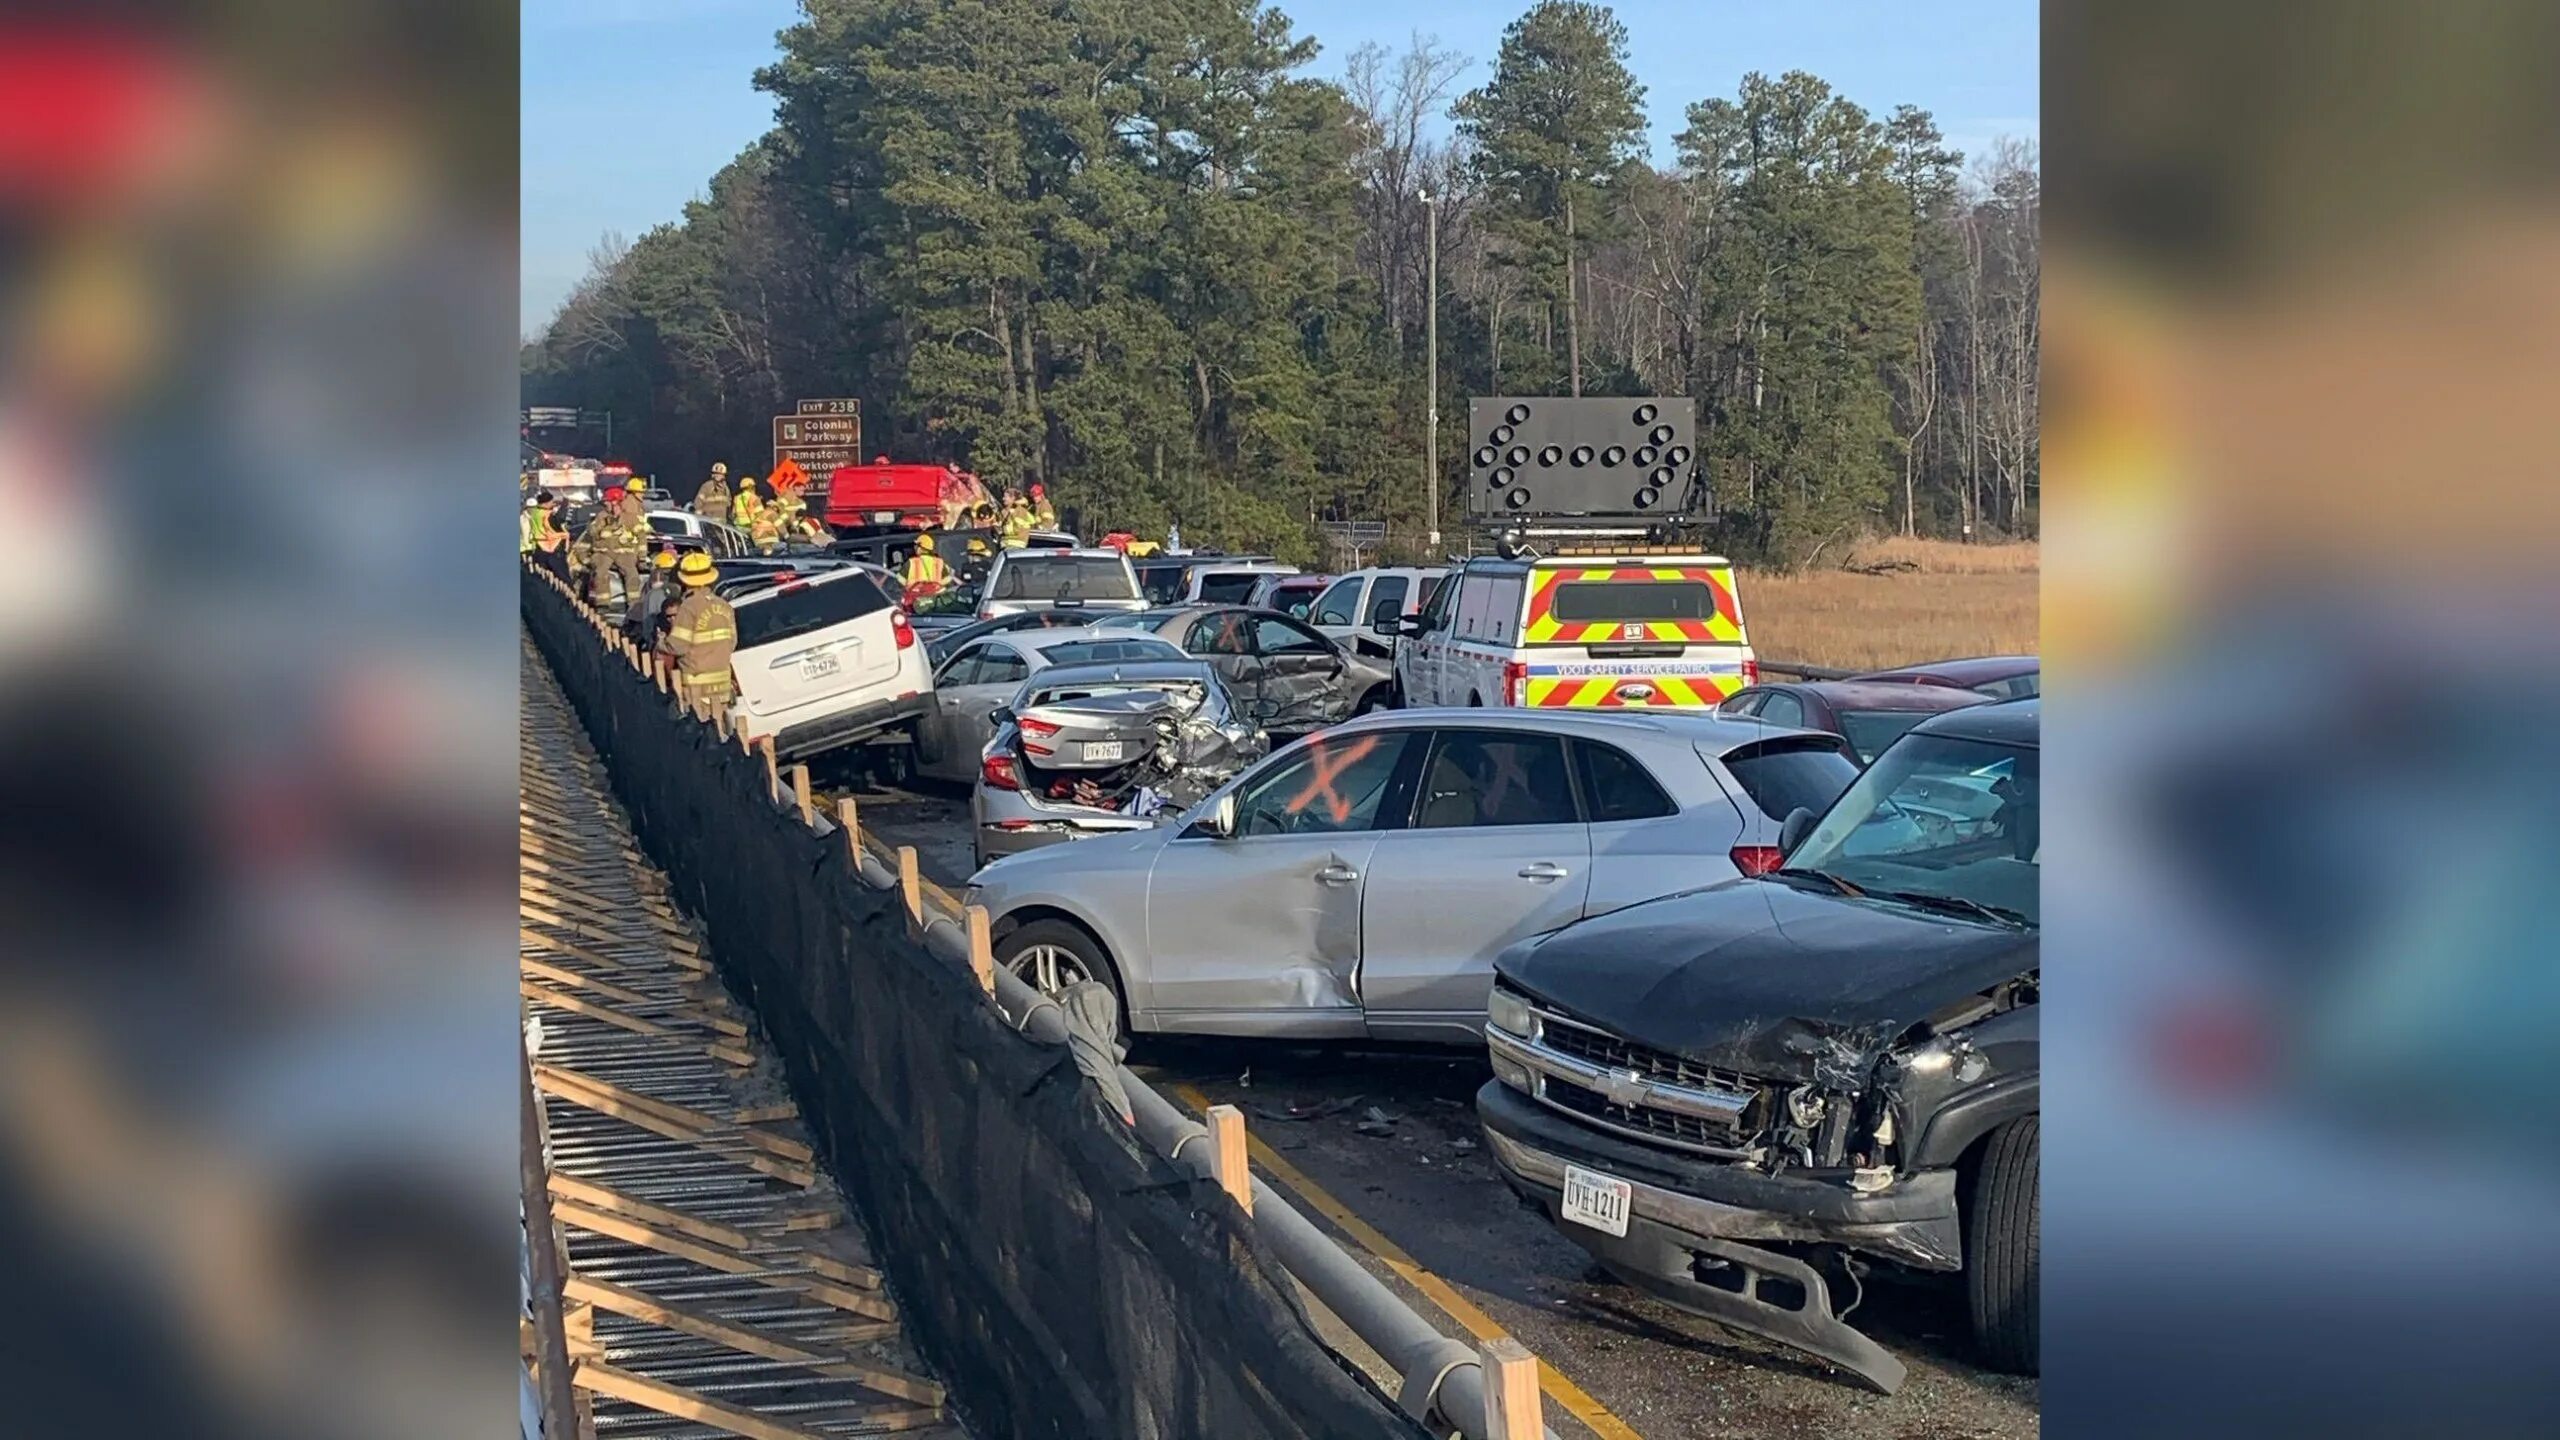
1696 1228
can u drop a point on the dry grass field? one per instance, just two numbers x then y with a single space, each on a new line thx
1957 600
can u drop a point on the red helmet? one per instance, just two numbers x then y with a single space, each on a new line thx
613 493
1036 491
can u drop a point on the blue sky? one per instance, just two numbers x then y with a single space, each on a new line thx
630 105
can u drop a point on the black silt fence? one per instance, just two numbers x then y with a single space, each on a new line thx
1062 1280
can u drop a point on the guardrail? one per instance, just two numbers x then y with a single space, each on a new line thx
1486 1392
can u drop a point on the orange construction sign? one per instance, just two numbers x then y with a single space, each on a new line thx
787 475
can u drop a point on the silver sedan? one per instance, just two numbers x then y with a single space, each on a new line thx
1360 882
983 674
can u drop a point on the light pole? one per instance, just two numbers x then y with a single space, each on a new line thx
1431 363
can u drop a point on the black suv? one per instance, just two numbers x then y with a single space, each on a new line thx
1733 1095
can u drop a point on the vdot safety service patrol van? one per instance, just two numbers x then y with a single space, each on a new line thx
1579 632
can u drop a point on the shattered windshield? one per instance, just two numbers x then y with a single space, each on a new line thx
1942 824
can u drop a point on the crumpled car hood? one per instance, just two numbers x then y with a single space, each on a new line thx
1763 978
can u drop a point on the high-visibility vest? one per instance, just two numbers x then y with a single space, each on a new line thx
528 530
926 568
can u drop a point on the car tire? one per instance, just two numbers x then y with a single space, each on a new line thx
1013 952
2002 1238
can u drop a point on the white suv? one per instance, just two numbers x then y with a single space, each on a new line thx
828 660
1348 609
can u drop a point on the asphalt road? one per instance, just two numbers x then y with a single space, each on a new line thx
1381 1146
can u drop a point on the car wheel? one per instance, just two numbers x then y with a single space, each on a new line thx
1050 955
2002 1233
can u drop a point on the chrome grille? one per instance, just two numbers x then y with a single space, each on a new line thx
1642 1119
1584 1042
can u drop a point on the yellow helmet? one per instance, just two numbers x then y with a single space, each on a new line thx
925 543
977 546
695 570
666 560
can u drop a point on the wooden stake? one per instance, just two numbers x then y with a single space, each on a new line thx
1510 1390
982 953
772 771
851 822
1227 1156
911 887
800 793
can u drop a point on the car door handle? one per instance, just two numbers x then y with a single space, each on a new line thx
1338 873
1543 870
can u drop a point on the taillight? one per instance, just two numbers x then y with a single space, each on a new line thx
996 772
1757 859
1035 730
1751 672
1515 682
901 631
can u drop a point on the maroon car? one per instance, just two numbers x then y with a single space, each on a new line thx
2002 677
1868 716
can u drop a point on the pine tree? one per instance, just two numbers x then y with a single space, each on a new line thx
1553 128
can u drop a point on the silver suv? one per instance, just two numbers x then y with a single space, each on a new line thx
1099 580
1360 882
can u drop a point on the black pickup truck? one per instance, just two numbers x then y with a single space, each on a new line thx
1739 1097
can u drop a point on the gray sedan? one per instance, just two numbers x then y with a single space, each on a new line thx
1360 882
983 674
1289 678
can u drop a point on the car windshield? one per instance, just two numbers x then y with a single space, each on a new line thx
1939 822
1869 731
1063 577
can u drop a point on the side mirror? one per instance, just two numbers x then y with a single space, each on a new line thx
1219 820
1382 617
1412 625
1793 829
1001 715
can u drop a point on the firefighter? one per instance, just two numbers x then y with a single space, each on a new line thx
712 500
744 505
643 620
765 527
1044 516
632 562
1014 529
531 523
613 549
975 559
790 513
925 574
700 635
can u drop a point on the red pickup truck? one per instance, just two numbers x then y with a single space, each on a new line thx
885 494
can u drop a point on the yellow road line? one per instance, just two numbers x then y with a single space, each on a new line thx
1575 1400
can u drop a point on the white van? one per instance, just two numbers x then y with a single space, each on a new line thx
828 660
1578 631
1348 608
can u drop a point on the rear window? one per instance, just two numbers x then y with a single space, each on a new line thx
1162 584
787 616
1634 600
1087 652
1869 731
1063 577
1228 589
1782 775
